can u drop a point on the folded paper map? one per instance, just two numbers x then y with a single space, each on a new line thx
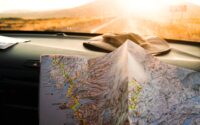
125 87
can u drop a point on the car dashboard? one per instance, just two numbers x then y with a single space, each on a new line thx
20 68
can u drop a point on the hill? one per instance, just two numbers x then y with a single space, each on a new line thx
98 8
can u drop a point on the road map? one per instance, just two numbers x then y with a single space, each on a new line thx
124 87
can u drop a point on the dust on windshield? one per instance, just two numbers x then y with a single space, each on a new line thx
170 19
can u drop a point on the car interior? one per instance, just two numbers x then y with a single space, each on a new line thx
62 30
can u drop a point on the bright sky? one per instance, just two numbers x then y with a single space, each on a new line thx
194 1
39 5
148 6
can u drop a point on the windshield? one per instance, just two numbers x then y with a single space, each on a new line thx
172 19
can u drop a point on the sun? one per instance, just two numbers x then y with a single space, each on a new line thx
138 6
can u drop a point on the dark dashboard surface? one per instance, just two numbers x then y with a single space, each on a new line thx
185 54
19 69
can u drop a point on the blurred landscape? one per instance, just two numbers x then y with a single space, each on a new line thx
99 17
65 24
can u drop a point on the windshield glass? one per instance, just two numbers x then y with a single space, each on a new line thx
172 19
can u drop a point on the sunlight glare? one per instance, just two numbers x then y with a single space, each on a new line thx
146 6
